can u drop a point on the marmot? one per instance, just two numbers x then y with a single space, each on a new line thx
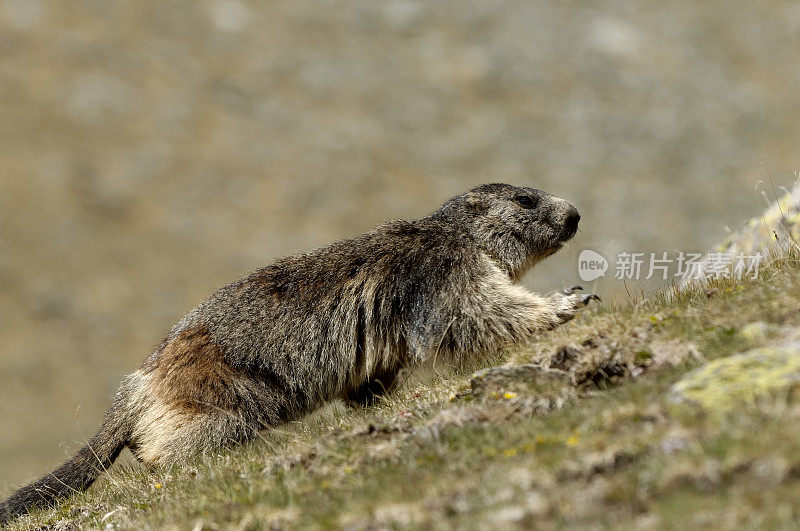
337 322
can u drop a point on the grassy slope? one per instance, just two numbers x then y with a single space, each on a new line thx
607 449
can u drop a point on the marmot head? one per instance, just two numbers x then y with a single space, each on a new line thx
517 227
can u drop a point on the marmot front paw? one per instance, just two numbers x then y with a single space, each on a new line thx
569 302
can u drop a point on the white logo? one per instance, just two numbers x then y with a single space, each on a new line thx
591 265
691 266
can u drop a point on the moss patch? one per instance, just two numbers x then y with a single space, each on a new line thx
723 385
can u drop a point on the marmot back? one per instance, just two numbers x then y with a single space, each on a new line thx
335 323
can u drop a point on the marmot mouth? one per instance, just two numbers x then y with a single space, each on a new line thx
553 250
568 233
563 233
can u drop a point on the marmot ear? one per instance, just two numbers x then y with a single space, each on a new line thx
475 201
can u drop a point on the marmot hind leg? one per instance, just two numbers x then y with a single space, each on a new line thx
165 439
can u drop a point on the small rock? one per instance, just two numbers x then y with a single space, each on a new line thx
508 515
755 332
672 353
725 384
496 382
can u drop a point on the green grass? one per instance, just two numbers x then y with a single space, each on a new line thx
615 452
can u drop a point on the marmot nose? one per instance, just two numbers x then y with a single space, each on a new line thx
571 223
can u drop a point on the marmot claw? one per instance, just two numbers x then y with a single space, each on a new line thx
573 289
592 296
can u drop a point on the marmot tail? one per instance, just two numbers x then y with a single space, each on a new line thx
77 474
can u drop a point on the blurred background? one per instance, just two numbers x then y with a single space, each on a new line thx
153 151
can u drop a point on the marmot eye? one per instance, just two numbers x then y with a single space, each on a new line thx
525 201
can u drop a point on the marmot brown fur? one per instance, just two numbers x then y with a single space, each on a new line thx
338 322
